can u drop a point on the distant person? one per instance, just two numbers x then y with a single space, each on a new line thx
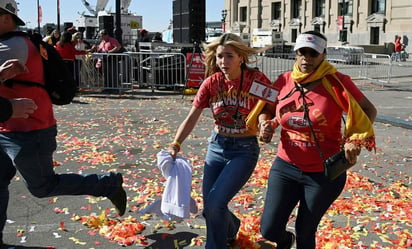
80 45
398 48
157 37
68 52
53 37
143 37
110 65
27 144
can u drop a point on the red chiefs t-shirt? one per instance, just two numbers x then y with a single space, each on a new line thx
297 144
23 49
229 106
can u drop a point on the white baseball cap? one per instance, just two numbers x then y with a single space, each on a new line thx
310 41
10 6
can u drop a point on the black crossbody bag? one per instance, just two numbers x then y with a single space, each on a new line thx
336 164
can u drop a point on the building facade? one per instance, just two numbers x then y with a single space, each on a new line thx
369 23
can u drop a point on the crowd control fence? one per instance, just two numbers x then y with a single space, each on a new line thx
166 70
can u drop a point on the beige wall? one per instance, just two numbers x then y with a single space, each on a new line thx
396 20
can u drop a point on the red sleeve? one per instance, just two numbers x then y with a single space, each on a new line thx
76 52
202 97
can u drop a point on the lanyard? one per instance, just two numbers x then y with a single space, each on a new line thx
236 116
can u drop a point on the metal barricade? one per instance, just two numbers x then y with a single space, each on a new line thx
106 71
376 67
373 67
158 69
273 64
124 71
168 70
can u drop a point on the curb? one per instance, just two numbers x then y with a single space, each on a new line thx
394 121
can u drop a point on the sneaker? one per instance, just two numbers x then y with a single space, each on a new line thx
119 198
288 244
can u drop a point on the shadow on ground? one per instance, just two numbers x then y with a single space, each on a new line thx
21 247
168 240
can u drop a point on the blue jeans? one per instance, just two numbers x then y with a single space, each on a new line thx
288 185
31 153
229 163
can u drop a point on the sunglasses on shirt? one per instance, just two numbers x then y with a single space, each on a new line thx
307 52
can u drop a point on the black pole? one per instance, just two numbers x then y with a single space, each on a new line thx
58 15
38 16
118 30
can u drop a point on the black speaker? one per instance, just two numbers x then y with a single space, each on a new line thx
90 32
107 23
189 21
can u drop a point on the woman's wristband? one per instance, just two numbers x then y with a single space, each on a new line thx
176 144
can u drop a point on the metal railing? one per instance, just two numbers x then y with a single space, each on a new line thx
156 70
124 70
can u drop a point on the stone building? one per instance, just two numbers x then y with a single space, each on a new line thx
373 24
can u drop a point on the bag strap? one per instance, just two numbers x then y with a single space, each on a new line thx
10 82
306 117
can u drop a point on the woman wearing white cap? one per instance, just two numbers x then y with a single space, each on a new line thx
309 108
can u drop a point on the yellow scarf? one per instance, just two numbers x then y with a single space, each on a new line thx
359 128
252 117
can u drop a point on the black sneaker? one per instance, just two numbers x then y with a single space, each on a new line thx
290 242
119 198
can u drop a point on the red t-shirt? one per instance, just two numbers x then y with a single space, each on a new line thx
297 144
43 117
229 106
68 51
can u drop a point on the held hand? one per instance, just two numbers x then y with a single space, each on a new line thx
352 152
22 107
266 130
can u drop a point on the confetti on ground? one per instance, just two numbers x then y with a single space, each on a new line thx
373 212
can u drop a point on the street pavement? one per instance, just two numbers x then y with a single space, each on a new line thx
123 133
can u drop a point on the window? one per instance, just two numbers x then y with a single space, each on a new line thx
296 8
349 11
243 14
378 6
276 11
320 8
343 8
